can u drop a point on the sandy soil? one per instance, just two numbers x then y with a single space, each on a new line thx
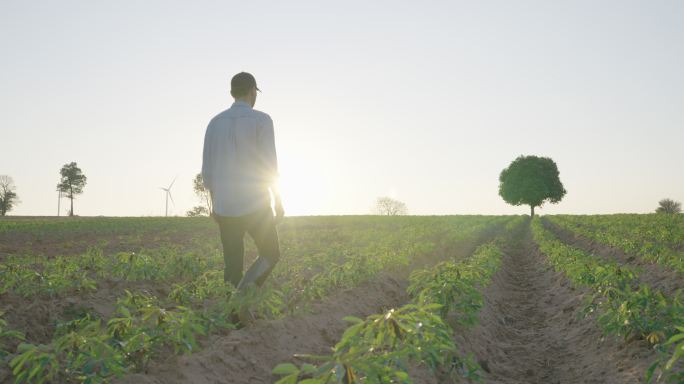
654 275
248 355
531 330
50 245
36 317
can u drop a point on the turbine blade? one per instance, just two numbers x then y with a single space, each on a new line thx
174 180
173 202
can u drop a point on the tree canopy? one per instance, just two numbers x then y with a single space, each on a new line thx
669 206
202 192
390 207
531 180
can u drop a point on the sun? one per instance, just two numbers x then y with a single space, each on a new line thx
304 186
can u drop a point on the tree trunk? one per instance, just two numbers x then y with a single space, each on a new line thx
71 213
532 210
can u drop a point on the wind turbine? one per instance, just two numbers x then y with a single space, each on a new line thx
168 195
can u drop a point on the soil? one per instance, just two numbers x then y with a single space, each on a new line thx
37 317
19 243
656 276
531 329
248 355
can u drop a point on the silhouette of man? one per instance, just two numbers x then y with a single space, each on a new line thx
240 170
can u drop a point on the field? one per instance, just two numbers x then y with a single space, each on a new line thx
367 299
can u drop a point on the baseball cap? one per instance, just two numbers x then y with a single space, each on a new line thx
243 82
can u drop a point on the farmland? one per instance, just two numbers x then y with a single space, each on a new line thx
496 299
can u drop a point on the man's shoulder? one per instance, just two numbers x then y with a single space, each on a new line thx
219 116
262 115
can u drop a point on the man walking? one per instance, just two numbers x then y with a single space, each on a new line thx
240 170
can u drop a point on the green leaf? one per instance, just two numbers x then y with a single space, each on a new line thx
292 379
679 352
308 369
650 371
285 369
675 339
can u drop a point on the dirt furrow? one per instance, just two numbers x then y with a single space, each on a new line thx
249 354
531 330
652 274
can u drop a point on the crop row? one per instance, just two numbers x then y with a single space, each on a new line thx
656 238
48 228
39 275
305 252
624 307
380 348
92 349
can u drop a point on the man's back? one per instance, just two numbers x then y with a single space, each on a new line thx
239 162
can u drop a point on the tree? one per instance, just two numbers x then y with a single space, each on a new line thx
531 180
202 193
390 207
669 206
197 211
8 194
72 182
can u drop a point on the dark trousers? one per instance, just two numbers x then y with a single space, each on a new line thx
261 227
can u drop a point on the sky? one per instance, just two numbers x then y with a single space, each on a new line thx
425 102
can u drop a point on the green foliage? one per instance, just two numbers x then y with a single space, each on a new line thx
669 206
8 194
80 352
7 334
531 180
56 276
141 326
624 307
87 352
203 194
320 256
455 286
654 238
35 364
197 211
71 183
669 361
388 206
379 348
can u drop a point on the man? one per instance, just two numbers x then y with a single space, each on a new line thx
240 170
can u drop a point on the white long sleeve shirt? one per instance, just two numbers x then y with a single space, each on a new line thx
239 164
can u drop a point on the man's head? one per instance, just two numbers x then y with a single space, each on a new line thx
243 87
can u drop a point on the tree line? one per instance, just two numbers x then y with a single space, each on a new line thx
71 183
528 180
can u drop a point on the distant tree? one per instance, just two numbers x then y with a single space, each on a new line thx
202 192
8 194
531 180
72 182
669 206
197 211
390 207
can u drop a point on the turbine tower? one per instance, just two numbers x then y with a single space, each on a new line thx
168 195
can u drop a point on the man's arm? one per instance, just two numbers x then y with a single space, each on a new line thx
272 167
208 163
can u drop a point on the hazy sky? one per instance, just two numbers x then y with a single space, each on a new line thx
425 101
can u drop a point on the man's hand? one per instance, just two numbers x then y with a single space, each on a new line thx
279 212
